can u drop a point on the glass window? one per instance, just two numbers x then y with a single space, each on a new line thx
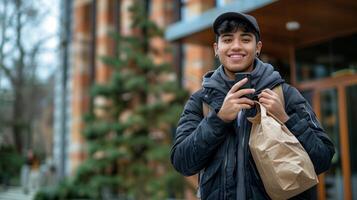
330 122
332 58
351 96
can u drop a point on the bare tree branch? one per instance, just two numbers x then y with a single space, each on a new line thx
7 72
18 56
4 39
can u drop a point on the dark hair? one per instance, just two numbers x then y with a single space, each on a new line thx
231 26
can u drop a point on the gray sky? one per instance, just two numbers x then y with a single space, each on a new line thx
48 59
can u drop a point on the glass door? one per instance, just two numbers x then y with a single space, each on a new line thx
329 119
351 100
335 103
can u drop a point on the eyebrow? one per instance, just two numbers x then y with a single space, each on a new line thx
246 34
226 34
242 34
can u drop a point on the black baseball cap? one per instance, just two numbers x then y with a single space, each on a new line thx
238 16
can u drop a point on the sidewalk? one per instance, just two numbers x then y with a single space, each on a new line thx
16 193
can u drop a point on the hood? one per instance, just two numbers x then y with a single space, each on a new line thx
263 76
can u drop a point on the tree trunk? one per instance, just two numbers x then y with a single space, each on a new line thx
18 114
17 122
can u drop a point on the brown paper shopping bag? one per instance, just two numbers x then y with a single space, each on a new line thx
283 164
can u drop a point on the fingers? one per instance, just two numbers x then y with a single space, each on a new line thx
267 106
268 99
243 92
267 93
245 100
240 106
238 85
265 101
264 94
245 106
242 101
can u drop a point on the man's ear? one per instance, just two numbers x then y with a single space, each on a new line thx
259 47
215 47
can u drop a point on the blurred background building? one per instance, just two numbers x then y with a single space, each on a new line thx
85 38
310 42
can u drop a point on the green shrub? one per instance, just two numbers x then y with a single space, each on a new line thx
10 164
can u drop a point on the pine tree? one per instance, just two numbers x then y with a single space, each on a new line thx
129 135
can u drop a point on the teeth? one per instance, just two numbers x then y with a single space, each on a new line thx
236 56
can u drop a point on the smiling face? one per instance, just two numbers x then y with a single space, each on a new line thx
237 51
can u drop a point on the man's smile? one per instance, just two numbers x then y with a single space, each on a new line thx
236 56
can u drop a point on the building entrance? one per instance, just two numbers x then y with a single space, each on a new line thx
334 102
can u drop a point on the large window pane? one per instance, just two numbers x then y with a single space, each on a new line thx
351 95
330 122
331 58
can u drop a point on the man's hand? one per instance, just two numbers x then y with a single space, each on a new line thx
235 102
271 101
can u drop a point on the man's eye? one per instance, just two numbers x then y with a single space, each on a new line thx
246 39
227 40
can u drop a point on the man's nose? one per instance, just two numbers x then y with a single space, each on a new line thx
236 45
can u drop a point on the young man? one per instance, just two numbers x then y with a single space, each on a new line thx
216 145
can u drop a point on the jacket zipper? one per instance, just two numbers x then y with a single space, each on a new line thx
224 171
245 153
243 125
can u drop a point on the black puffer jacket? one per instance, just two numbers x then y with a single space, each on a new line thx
220 150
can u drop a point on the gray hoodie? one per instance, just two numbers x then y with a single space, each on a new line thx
263 76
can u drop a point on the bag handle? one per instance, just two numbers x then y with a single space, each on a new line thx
279 90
